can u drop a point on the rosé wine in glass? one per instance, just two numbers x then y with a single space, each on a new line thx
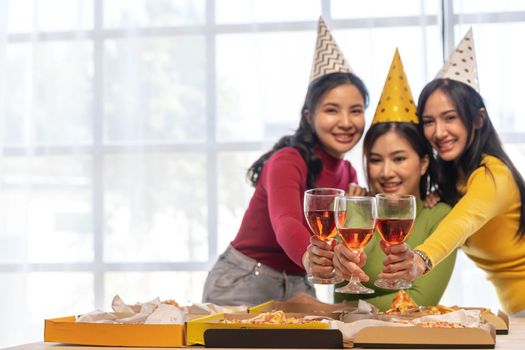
355 222
395 221
319 213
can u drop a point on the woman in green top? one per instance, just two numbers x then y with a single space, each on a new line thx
396 162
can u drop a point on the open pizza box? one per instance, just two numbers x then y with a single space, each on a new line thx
66 330
211 331
499 321
440 336
463 328
144 324
421 337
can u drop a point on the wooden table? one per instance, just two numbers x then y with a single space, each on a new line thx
515 340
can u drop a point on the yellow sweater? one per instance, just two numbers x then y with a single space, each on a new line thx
484 223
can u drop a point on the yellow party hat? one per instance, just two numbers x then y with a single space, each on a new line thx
328 58
461 64
396 103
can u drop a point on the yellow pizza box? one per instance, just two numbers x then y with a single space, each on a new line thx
66 330
195 329
421 337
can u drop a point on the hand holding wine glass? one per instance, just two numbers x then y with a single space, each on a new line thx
355 223
318 259
319 213
401 263
395 220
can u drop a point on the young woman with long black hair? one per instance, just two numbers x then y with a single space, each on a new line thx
475 175
264 261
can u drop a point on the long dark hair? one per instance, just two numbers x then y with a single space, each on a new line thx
482 140
304 138
409 132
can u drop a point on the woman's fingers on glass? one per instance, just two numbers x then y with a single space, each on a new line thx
395 249
319 266
322 271
341 270
320 252
399 248
400 268
347 254
356 190
320 243
400 265
399 275
321 257
431 200
320 263
353 269
362 259
345 268
404 271
362 276
393 258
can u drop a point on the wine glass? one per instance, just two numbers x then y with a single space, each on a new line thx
395 219
319 213
355 222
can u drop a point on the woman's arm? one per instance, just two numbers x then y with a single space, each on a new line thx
489 192
285 183
429 289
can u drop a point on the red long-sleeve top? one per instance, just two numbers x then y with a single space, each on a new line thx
274 230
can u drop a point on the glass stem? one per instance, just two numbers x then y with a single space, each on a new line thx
353 278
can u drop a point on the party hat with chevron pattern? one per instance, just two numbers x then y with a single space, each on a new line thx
328 58
461 64
396 103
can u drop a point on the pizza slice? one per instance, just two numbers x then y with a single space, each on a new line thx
402 303
273 317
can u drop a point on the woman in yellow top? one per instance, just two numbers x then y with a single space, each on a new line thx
477 177
472 172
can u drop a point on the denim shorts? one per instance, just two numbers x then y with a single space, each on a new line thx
237 279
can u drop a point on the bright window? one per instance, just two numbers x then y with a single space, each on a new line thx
127 127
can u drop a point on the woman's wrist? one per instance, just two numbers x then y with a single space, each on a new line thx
423 263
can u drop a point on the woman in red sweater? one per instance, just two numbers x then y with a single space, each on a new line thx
263 262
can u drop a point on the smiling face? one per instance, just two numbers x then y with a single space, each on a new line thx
394 166
443 127
339 119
